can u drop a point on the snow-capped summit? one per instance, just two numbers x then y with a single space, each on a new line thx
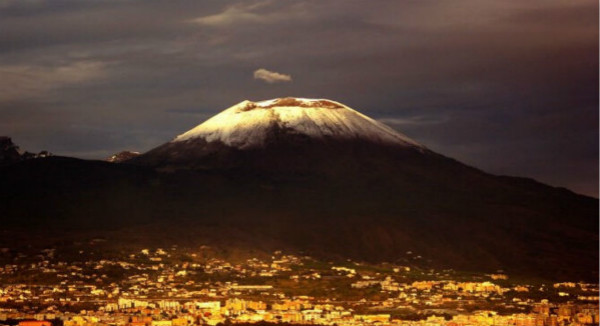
248 124
286 135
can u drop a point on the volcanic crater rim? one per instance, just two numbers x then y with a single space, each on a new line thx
291 102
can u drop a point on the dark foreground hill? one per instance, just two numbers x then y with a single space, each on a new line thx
525 228
358 191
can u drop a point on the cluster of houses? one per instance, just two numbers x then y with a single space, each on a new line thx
154 288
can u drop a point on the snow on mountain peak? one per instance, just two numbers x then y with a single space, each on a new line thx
246 125
294 102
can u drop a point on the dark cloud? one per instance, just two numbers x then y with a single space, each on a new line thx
510 87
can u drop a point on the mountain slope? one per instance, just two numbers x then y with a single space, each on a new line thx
282 135
248 124
372 192
316 177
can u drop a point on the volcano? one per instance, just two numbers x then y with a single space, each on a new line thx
277 135
249 124
317 177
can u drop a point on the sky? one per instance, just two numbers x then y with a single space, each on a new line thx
510 87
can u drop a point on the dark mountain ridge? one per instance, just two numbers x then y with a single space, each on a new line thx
347 196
